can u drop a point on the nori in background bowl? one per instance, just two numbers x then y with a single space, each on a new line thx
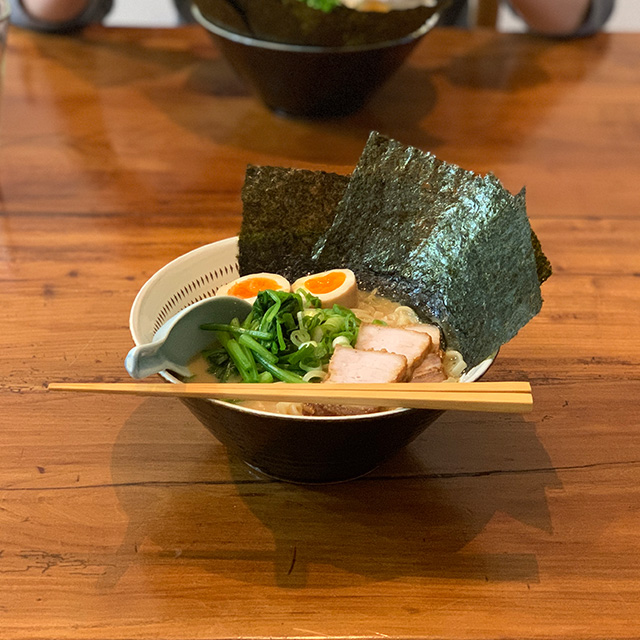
294 22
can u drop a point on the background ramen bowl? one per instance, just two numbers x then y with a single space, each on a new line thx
292 448
315 73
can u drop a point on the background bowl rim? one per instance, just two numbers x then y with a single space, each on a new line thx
284 47
473 374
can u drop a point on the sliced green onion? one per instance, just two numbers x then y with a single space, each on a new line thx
314 374
343 341
334 323
300 337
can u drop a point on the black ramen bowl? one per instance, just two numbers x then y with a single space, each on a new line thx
294 448
312 81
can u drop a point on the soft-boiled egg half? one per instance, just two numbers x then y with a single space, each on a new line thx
248 287
337 286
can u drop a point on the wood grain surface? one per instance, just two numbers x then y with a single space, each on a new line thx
123 518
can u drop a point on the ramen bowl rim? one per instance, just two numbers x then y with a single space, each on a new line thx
260 43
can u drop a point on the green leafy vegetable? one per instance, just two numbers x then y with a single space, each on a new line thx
241 358
286 337
236 331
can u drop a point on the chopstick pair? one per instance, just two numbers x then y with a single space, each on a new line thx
500 397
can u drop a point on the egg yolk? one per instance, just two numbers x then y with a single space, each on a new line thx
325 283
252 286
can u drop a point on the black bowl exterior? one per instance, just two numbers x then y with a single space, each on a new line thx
311 450
314 83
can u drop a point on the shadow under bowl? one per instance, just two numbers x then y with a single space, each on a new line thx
310 81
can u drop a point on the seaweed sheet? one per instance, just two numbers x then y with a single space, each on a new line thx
543 265
455 246
285 211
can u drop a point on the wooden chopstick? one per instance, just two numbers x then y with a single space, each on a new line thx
505 397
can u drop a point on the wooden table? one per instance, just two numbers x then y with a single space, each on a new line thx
124 518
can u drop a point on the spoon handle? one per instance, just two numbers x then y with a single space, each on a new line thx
147 359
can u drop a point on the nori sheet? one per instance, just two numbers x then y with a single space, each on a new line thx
294 22
453 245
285 211
543 265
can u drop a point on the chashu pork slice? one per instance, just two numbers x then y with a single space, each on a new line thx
413 345
431 329
356 365
430 369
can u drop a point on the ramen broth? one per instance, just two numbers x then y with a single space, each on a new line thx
200 369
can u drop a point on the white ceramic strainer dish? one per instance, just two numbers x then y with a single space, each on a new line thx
192 277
